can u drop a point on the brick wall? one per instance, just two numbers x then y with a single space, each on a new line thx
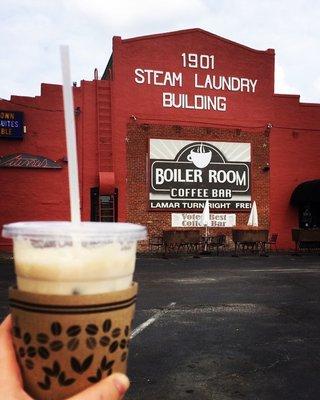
138 136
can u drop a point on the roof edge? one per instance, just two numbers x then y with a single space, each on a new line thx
186 31
109 66
287 95
297 97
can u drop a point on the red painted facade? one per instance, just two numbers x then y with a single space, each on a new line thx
119 114
42 194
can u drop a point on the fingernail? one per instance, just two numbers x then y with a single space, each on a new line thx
121 382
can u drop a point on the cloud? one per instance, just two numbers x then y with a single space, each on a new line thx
316 87
129 16
32 30
280 82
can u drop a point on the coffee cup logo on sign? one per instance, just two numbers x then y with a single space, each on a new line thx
200 158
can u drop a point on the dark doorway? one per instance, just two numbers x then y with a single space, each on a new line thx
309 216
94 195
104 208
306 197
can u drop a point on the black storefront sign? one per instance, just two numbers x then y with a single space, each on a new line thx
216 176
199 205
198 172
11 124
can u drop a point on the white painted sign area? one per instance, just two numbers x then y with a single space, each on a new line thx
192 220
211 82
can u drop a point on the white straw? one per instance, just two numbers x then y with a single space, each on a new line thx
70 136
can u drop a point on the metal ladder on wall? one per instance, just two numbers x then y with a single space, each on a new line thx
104 126
107 209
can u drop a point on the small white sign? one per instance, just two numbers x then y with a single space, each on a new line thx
192 220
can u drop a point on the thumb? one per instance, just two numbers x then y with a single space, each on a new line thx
112 388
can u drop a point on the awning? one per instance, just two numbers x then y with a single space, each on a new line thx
106 183
306 192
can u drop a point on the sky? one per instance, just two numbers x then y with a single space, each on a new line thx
31 32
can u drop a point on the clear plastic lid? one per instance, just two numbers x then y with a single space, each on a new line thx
39 229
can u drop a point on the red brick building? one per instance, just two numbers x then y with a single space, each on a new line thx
176 119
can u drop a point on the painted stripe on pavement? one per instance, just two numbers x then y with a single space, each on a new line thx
151 320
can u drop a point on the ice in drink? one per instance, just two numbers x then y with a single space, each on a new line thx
66 258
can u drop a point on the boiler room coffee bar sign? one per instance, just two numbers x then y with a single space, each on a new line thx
11 124
184 174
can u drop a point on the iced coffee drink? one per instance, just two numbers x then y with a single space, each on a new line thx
66 258
74 303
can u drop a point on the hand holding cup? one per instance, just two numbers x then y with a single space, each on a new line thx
11 386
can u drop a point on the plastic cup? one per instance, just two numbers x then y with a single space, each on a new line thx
74 303
66 258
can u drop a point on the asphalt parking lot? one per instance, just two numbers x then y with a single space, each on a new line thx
223 328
